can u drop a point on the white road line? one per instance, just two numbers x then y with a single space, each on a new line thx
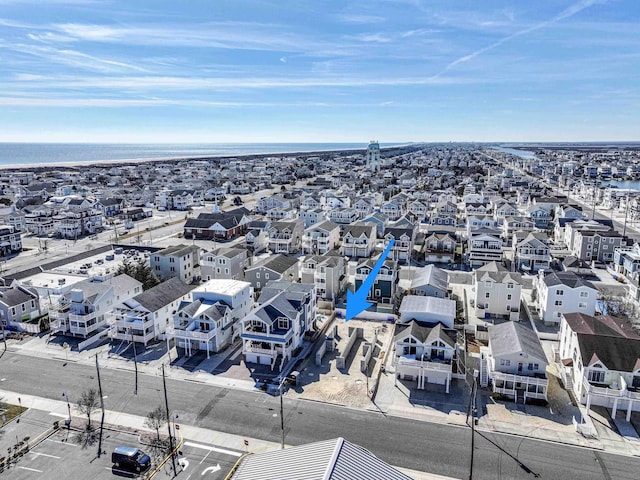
213 449
205 457
61 415
30 469
114 469
44 455
63 443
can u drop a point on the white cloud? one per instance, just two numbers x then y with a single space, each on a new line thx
360 19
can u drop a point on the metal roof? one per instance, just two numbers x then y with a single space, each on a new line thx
335 459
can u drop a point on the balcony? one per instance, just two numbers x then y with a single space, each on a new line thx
433 365
602 390
509 384
82 317
84 330
200 335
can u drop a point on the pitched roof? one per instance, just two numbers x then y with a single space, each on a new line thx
609 340
357 229
568 279
498 273
425 334
432 276
335 459
513 337
163 294
278 263
16 296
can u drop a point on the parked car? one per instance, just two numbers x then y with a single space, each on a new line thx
130 458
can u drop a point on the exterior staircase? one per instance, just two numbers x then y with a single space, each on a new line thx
484 367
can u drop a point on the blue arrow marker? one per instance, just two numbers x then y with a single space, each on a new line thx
357 302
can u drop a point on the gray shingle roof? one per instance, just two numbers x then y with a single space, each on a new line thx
335 459
513 337
163 294
569 279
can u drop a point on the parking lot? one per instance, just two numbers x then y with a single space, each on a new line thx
69 454
203 461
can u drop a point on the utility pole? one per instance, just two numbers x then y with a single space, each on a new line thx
135 361
593 212
4 336
472 410
166 406
626 211
282 414
102 406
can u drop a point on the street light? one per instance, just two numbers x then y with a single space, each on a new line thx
68 422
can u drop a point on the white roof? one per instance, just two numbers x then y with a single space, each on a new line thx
223 286
431 305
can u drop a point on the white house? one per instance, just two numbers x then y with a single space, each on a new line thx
497 292
424 354
428 310
600 359
145 317
206 321
563 292
515 362
358 240
321 238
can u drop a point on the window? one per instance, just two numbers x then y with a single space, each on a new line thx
283 323
559 292
266 276
596 376
487 284
584 294
509 297
558 303
226 270
582 305
510 285
24 307
487 295
505 363
258 275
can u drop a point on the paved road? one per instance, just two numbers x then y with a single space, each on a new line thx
440 449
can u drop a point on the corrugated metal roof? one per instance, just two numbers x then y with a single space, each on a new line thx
335 459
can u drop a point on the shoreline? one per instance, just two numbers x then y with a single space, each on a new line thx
221 156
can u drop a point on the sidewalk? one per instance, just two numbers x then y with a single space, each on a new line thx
57 408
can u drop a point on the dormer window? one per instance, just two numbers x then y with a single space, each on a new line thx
283 323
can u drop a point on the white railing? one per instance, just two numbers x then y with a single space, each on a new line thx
191 334
603 391
425 364
522 379
264 351
81 318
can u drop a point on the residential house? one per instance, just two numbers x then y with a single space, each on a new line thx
392 209
358 240
563 292
326 273
321 238
532 253
10 240
424 353
181 261
311 217
443 219
404 239
18 303
596 246
343 216
428 310
600 361
224 263
484 246
497 292
145 317
514 362
12 216
274 330
275 267
75 223
379 220
256 240
218 225
83 310
510 225
286 236
429 281
383 291
439 247
209 319
111 206
363 207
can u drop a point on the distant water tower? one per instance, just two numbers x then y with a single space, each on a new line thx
373 156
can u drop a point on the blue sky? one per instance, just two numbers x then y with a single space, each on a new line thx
319 71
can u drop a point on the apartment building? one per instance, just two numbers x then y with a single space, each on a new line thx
179 261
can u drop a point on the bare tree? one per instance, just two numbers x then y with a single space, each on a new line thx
88 403
156 418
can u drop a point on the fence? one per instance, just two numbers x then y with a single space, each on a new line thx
26 327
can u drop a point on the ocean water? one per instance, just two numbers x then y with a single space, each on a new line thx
513 151
30 154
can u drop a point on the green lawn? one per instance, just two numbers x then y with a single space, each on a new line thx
9 412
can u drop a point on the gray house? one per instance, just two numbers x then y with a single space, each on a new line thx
18 303
179 261
430 281
276 267
224 263
326 272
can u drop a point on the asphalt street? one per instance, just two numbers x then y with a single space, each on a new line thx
436 448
